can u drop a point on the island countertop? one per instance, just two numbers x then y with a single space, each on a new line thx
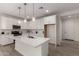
34 42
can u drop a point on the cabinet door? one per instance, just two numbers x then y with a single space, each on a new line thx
50 20
6 23
25 25
38 24
22 25
9 23
32 25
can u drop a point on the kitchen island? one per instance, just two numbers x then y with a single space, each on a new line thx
32 46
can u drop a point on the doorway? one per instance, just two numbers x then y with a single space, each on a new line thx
70 32
50 32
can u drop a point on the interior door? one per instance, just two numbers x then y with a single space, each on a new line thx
68 27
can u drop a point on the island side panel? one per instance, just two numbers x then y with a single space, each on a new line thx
27 50
44 49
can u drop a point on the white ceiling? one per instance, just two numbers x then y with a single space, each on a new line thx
54 8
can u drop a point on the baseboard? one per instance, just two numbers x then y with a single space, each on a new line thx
69 39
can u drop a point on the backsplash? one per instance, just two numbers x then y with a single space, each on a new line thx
30 32
33 32
5 31
38 33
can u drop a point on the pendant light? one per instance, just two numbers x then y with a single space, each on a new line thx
19 14
47 11
33 18
25 20
46 8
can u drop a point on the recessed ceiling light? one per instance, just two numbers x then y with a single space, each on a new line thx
69 16
47 10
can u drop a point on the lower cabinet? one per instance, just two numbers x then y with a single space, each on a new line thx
4 40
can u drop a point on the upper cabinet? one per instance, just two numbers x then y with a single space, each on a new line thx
50 19
37 24
7 22
25 25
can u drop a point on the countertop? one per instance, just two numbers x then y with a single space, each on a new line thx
34 42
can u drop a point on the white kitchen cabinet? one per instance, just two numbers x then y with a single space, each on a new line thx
24 25
8 22
5 23
32 47
6 39
31 25
40 24
37 24
50 19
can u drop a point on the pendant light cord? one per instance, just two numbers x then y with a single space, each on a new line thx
25 9
33 11
19 10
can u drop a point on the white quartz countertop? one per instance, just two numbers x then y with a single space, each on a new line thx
34 42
